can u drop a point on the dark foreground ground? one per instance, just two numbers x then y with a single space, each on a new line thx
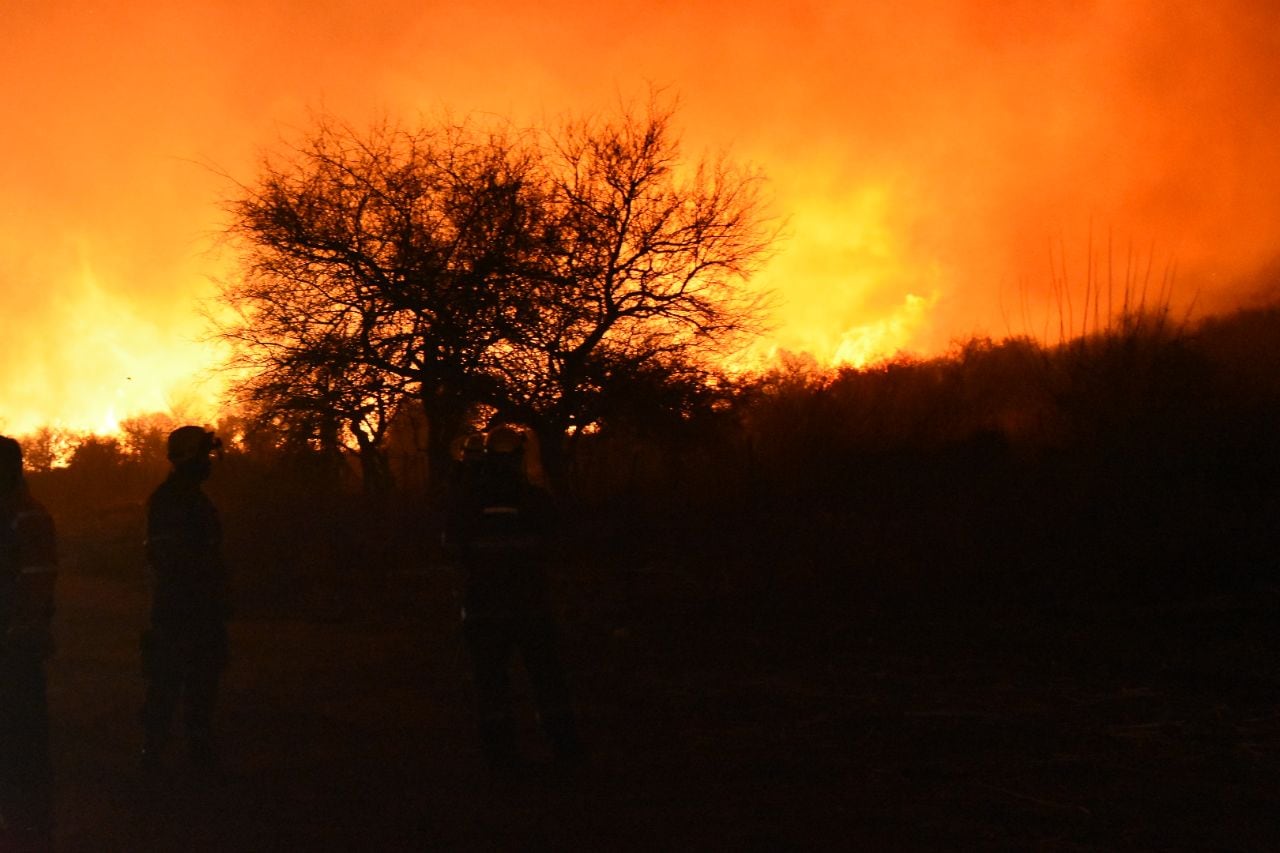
717 722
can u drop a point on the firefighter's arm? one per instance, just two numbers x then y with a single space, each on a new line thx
458 529
549 527
36 578
449 544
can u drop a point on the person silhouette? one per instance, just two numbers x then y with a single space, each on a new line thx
184 649
499 524
28 571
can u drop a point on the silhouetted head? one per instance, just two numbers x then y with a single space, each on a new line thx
190 448
518 444
506 441
510 448
10 464
504 452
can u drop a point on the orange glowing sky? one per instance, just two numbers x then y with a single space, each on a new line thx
928 154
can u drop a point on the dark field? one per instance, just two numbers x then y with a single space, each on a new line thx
784 685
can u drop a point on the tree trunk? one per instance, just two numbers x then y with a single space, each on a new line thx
446 414
555 458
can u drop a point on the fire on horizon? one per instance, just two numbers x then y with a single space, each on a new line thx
940 163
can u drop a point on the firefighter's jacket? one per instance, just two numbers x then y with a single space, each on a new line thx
184 551
502 537
28 572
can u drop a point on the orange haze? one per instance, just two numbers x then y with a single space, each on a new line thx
935 159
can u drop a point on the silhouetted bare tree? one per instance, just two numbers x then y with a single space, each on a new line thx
377 264
98 455
644 275
535 274
145 438
323 396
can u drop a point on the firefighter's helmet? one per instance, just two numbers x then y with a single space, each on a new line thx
505 440
192 443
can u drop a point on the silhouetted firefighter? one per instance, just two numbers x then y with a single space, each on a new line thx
499 527
28 569
185 648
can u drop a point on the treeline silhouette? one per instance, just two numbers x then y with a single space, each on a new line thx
1143 460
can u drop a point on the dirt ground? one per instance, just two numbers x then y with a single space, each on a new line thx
713 725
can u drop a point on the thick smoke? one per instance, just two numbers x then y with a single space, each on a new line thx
941 164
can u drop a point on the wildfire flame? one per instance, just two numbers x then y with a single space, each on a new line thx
931 156
104 360
850 291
